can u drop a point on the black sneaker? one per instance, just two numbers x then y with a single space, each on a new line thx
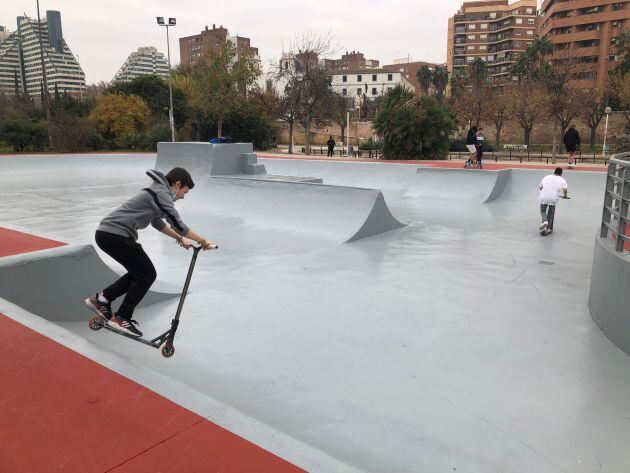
98 307
124 325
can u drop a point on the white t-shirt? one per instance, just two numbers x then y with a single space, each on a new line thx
552 188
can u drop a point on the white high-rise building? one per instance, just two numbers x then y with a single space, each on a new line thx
144 61
20 58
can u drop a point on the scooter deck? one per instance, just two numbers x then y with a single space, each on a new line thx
155 343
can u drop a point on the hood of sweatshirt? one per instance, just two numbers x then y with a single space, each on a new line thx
158 177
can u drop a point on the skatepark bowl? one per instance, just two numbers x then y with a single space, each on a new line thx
358 317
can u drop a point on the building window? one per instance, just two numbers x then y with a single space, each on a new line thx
344 92
472 27
529 11
530 32
374 92
531 21
482 47
471 37
374 78
470 48
359 78
617 6
344 78
358 91
493 15
390 77
517 44
483 37
518 21
484 26
518 32
616 24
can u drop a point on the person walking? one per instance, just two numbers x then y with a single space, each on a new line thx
481 140
552 188
471 144
571 142
331 147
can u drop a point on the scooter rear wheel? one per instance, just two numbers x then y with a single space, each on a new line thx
96 322
168 350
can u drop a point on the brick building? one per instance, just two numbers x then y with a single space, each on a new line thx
495 31
354 60
410 70
586 29
191 48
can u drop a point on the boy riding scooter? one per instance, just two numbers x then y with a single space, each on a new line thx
117 236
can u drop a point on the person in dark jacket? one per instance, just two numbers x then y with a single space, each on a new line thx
117 235
331 146
471 144
571 142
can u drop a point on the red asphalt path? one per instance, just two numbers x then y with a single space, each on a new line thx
60 411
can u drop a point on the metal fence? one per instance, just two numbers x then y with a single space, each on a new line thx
617 201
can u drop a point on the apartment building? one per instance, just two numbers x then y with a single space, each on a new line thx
3 33
370 83
410 69
192 48
495 31
20 58
353 60
587 29
145 61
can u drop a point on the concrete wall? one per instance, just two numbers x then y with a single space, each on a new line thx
203 158
609 299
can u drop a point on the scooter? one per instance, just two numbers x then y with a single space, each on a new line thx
164 341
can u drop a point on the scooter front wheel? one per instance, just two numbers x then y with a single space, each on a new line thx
96 322
168 350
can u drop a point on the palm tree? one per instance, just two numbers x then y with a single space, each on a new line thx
425 76
440 81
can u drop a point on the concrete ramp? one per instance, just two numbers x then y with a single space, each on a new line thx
53 283
205 159
462 185
336 213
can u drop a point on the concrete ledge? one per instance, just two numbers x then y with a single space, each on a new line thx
609 298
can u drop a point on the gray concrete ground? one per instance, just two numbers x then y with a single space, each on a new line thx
460 341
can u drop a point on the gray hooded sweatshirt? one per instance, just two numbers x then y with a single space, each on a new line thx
149 206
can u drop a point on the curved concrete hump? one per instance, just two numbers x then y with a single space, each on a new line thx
54 283
204 159
337 213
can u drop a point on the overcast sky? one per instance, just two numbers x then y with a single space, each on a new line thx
103 33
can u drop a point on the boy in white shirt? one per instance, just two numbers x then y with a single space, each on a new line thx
552 188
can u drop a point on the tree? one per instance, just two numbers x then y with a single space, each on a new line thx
118 114
620 90
440 81
528 102
246 124
341 107
154 91
497 110
552 71
220 80
425 77
411 127
593 105
308 95
20 132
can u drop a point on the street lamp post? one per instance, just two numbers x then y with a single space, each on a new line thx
171 22
607 111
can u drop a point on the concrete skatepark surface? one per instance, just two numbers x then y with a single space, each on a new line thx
450 338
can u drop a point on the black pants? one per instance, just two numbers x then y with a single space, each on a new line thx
331 151
140 271
479 154
547 213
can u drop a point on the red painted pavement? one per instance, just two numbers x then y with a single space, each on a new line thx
13 242
62 412
488 165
